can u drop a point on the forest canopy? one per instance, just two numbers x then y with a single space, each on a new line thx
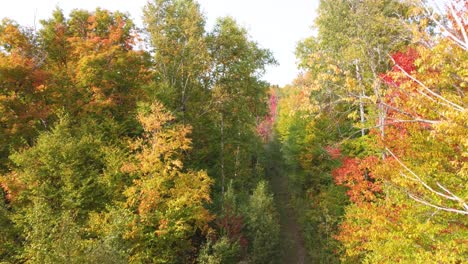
179 152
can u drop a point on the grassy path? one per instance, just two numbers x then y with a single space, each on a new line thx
291 242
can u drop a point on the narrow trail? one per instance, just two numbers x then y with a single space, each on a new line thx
292 242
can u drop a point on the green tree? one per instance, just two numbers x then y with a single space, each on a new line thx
239 98
177 36
219 252
262 225
53 187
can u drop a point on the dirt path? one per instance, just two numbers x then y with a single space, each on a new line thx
292 241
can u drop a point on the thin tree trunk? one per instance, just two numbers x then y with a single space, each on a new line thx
236 166
361 103
361 113
222 155
382 109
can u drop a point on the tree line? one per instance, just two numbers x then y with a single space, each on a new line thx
374 132
133 145
121 144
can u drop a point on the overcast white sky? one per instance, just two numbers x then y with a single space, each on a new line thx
275 24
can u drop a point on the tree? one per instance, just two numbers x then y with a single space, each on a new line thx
176 30
23 107
238 96
221 251
165 200
422 176
94 68
52 189
262 225
350 51
79 65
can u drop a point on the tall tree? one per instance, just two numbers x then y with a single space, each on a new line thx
334 102
353 40
238 95
176 30
23 95
422 179
94 68
166 201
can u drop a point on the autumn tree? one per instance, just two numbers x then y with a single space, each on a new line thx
422 177
77 64
165 202
94 68
324 118
349 53
23 105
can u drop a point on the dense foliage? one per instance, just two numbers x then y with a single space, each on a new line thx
162 144
117 143
381 111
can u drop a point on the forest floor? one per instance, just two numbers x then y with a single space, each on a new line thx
291 240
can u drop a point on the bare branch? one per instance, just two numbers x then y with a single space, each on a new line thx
447 31
453 105
416 120
417 199
416 178
462 202
459 23
398 110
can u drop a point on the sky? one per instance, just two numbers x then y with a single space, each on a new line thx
275 24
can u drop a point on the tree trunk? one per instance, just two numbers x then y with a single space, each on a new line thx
222 155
